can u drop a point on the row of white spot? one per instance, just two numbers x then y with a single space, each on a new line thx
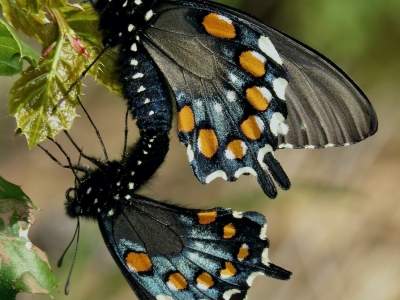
245 170
139 75
330 145
131 185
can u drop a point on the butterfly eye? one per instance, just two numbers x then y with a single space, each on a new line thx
70 195
77 209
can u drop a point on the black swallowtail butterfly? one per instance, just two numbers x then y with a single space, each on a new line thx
167 252
229 75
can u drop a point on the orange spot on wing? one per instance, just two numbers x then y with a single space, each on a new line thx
207 217
252 63
185 119
229 231
257 99
177 281
140 262
208 142
218 26
250 128
205 280
229 270
236 148
243 253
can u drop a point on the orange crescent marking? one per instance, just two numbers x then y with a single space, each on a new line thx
257 99
252 64
186 119
207 217
139 261
229 231
208 142
178 281
229 270
236 148
218 27
205 279
250 128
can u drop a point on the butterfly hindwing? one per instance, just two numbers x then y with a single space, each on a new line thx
167 252
229 91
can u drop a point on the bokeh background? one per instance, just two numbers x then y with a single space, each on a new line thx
337 228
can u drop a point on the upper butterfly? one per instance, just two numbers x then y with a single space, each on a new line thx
229 76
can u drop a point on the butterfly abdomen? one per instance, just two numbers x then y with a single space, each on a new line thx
144 88
143 85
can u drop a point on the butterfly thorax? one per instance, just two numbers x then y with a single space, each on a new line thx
126 16
100 189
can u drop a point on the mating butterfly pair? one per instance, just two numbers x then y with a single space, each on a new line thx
242 90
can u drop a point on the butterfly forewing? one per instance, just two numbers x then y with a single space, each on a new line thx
168 251
325 107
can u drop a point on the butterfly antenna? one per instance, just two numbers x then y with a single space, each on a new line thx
69 166
126 134
95 128
83 74
81 154
68 283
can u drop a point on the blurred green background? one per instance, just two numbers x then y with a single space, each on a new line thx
337 228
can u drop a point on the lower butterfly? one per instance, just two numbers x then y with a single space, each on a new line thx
167 252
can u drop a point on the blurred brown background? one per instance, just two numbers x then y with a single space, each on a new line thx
337 228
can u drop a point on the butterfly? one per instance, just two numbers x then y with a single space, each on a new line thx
167 252
241 89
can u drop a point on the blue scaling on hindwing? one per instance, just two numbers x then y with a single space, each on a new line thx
167 252
229 93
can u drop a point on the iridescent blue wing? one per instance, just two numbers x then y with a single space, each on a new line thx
229 75
167 252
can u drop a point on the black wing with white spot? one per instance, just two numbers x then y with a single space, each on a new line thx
167 252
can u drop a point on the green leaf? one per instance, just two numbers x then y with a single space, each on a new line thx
53 3
36 93
23 267
72 42
24 15
12 51
10 190
86 25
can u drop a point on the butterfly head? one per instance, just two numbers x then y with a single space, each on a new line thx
80 203
92 191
